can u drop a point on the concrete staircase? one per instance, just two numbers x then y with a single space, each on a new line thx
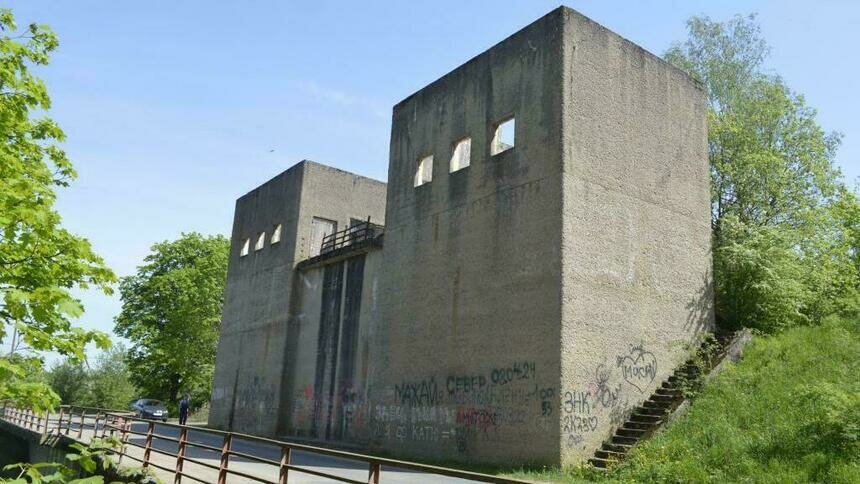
664 403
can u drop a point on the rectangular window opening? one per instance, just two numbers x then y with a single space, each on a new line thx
246 244
261 241
462 155
321 229
503 139
276 234
424 172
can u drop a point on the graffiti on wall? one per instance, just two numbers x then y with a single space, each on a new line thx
584 410
419 393
639 367
602 404
464 409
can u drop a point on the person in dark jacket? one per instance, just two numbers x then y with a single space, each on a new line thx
183 409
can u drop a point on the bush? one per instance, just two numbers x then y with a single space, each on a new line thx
758 277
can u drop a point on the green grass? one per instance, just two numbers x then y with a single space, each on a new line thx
789 411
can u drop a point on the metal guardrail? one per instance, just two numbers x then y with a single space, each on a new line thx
116 423
351 235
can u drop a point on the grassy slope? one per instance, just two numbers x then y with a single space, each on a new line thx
788 412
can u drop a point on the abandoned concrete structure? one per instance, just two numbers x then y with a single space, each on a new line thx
545 257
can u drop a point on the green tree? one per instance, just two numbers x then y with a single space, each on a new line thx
781 215
171 313
40 261
110 381
107 384
70 381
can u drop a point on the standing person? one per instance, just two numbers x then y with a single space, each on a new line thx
183 409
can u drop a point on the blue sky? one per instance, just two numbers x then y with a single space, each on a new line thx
172 108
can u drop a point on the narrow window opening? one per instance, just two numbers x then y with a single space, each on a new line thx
245 246
503 139
261 241
276 235
424 173
462 155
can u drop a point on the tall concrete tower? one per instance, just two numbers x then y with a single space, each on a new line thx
537 294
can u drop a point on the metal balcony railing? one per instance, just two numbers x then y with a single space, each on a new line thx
352 235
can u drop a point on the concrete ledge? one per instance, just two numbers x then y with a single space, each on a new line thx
341 253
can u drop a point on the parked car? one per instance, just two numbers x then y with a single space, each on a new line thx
149 408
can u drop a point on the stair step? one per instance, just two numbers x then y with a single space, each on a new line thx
658 412
647 419
637 425
599 463
672 392
624 432
669 385
609 455
653 404
620 439
662 398
617 448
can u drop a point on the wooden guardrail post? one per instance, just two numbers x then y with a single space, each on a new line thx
126 423
108 418
113 421
180 454
225 458
147 449
69 422
285 461
81 427
373 476
47 421
60 422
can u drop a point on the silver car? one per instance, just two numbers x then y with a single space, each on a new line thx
149 409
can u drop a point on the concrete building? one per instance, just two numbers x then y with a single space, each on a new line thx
545 258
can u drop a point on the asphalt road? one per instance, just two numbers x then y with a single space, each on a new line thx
341 467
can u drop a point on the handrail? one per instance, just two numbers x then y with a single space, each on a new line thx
72 422
351 235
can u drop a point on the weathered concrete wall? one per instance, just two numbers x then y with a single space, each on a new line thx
329 371
636 259
18 444
336 195
254 321
467 361
253 348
